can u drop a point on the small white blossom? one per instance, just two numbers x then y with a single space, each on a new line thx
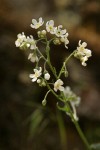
36 24
65 40
50 26
58 85
37 73
59 32
62 35
82 53
30 42
47 76
33 57
20 40
83 60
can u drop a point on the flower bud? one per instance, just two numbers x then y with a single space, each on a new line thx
41 34
56 41
44 102
47 76
39 81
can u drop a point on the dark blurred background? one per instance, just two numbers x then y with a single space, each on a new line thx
24 123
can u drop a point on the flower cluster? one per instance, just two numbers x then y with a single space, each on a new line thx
24 42
37 76
61 34
41 74
82 53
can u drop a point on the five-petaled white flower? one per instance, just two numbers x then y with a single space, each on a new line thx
20 40
33 57
50 27
59 32
58 85
37 73
82 53
36 24
47 76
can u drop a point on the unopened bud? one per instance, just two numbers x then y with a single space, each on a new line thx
39 81
44 102
47 76
56 41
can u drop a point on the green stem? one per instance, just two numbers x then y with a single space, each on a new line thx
63 99
77 125
41 55
65 62
74 121
53 92
48 59
82 135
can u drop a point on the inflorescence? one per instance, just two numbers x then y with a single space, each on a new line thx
40 74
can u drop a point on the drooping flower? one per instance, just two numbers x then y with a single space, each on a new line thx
65 40
47 76
73 99
33 57
37 73
50 27
36 24
82 53
58 85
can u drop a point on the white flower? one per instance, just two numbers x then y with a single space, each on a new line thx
20 40
47 76
33 58
59 32
82 53
58 85
36 24
50 26
37 73
83 60
65 40
30 42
